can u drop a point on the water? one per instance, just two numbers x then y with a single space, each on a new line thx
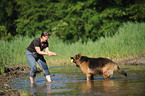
70 81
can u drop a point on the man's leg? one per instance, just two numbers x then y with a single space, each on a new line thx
41 61
32 62
32 79
48 78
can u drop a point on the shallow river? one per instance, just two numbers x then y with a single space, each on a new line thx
70 81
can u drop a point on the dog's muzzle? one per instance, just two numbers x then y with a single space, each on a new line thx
72 60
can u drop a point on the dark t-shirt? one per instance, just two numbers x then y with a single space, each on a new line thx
37 43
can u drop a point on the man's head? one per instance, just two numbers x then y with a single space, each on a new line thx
45 35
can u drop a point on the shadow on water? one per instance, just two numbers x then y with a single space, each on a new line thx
71 81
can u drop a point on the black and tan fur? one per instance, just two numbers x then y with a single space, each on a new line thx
92 66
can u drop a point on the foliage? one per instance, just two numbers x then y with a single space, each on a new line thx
2 31
86 21
8 15
70 20
35 17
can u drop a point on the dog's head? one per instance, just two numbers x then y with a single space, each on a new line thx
76 59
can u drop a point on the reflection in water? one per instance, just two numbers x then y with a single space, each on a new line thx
45 90
103 86
109 84
114 85
92 85
87 87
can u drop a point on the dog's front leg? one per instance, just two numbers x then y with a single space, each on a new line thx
90 76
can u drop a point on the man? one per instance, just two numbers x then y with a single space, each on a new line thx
35 54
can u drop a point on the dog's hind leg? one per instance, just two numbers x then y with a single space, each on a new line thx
106 75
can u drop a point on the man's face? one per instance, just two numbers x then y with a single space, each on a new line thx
45 38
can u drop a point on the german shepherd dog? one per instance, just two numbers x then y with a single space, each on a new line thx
92 66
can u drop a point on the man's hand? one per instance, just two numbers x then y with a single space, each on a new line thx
52 54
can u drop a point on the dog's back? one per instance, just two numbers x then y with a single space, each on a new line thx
98 62
93 65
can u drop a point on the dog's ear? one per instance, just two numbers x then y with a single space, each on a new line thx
79 55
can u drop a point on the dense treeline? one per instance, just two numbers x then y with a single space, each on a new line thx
70 20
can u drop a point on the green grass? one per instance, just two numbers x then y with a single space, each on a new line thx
128 42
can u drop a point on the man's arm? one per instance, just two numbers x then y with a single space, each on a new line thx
41 52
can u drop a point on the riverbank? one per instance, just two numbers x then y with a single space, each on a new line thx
12 72
140 61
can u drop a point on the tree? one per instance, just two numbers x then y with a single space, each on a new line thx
91 19
9 13
36 16
70 20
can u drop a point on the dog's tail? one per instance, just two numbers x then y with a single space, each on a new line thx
122 72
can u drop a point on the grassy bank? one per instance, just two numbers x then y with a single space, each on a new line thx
127 43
